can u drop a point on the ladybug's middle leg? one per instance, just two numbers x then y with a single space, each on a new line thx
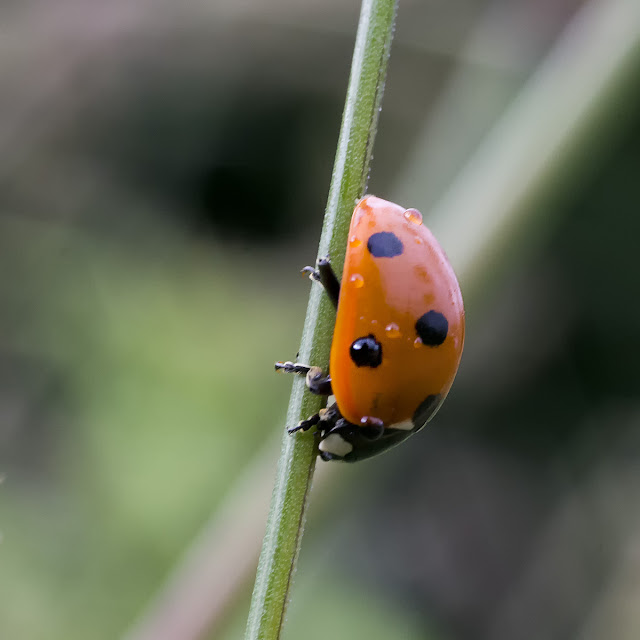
317 382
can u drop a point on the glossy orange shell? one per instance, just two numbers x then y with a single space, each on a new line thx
384 297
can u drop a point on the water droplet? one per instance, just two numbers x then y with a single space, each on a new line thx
417 343
422 273
357 281
413 215
354 242
393 330
370 421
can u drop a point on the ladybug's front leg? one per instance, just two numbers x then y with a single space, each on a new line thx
325 275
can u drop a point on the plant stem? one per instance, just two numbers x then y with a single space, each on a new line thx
348 183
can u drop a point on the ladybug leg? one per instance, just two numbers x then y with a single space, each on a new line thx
325 275
328 415
317 382
292 367
340 425
305 425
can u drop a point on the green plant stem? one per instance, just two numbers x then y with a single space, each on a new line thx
348 182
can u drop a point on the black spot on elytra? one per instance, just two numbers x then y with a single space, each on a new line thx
366 352
432 327
385 244
426 410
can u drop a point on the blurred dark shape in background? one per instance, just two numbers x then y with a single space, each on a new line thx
163 175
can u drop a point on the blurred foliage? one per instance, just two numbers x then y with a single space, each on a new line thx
142 414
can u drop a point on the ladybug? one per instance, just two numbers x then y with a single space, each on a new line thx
398 336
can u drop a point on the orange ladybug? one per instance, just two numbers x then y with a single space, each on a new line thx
398 336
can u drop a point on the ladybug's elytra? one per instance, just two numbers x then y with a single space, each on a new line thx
398 337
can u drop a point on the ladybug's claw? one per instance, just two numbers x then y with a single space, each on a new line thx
305 425
292 367
326 277
313 274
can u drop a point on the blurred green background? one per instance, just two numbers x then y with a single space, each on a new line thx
163 173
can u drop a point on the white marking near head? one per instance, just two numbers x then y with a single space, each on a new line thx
336 445
405 425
